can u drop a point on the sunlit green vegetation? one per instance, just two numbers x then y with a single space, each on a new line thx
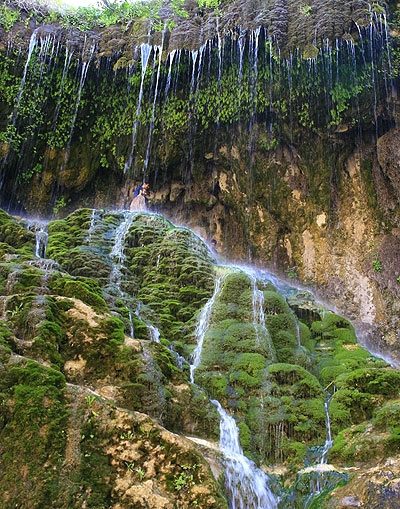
86 18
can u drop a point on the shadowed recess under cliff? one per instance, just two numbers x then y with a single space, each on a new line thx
77 117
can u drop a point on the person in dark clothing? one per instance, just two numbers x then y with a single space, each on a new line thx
142 189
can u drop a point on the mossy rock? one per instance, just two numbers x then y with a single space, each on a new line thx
14 237
85 289
333 327
385 382
37 411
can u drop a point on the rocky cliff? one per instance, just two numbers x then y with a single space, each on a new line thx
268 126
273 133
105 402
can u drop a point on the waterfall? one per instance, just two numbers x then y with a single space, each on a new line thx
117 251
328 441
258 309
14 114
318 481
40 230
117 254
145 51
152 120
92 225
260 326
168 84
67 62
201 329
32 45
246 484
154 333
84 70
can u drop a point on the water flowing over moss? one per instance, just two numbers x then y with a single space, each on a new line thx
269 126
107 328
110 110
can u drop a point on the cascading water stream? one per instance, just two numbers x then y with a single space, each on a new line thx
171 56
67 63
92 225
152 120
259 318
154 333
246 484
14 114
84 70
201 329
259 324
118 256
40 230
318 483
145 51
328 441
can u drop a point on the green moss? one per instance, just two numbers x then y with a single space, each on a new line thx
235 284
349 407
14 237
245 437
354 445
37 412
216 384
294 452
387 417
96 468
372 381
274 303
333 327
85 289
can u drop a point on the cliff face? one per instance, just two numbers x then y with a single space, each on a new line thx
273 133
276 135
107 401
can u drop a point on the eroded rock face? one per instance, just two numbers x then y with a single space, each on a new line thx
388 157
378 486
308 187
95 347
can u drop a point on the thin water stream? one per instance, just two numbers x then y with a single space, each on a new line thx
201 329
319 480
246 485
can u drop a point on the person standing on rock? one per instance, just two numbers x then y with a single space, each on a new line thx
139 201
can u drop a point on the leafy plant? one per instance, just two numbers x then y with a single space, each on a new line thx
90 400
141 473
8 17
60 204
130 466
291 272
376 264
185 479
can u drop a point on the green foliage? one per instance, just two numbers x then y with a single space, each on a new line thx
377 265
185 480
209 4
60 204
8 17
